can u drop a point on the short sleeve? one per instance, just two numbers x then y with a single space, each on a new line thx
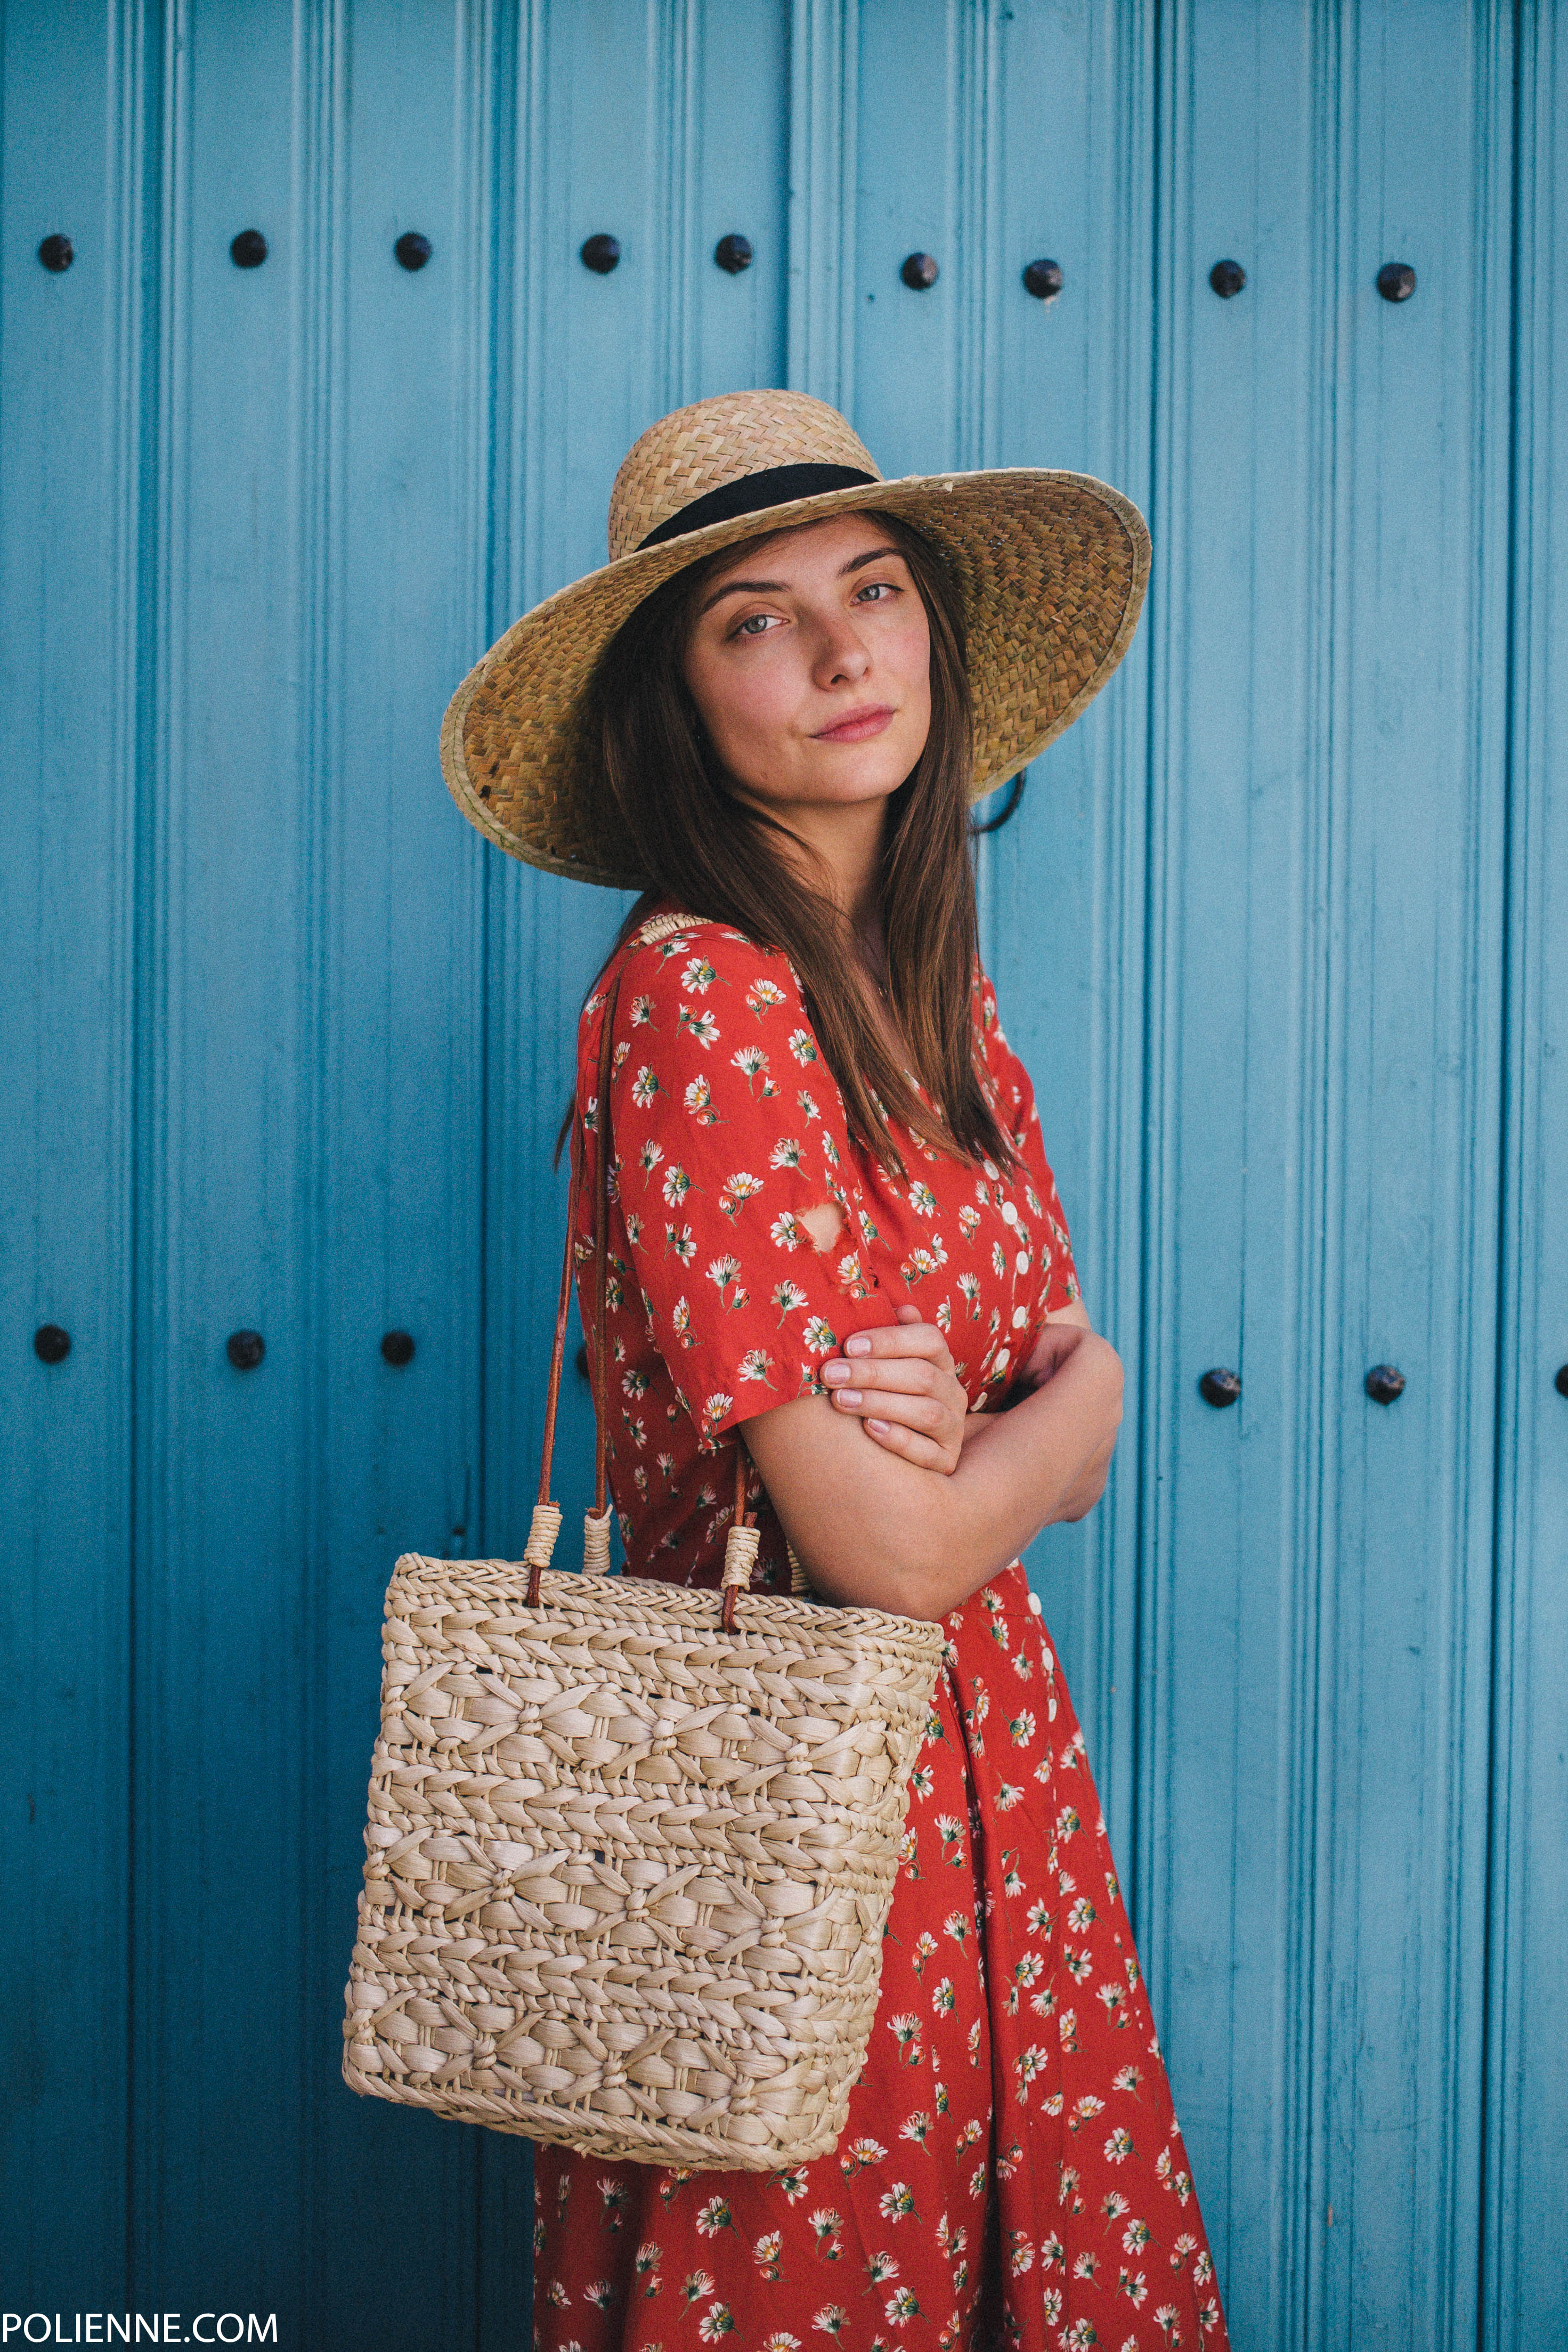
728 1127
1011 1092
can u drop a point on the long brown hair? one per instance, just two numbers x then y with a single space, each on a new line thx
714 856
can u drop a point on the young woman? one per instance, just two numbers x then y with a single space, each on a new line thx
835 1243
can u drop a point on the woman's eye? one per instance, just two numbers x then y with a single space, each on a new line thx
755 625
879 589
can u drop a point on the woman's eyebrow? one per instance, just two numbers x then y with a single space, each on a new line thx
745 588
782 587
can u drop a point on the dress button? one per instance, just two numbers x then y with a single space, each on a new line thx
1021 1261
1021 1317
1009 1214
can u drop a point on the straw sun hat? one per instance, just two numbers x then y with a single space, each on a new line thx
1051 568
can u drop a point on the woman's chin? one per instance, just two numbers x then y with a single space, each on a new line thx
844 783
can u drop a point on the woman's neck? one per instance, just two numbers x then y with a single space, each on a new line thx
837 851
842 858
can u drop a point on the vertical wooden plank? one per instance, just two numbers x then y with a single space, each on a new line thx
1525 2294
825 106
1232 847
412 2221
1326 898
905 372
73 100
581 384
227 1594
744 122
1416 1011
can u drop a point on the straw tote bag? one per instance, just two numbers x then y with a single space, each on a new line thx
631 1847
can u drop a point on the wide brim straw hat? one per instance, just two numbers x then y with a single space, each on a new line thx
1051 568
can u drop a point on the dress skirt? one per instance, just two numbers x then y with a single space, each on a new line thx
1011 2174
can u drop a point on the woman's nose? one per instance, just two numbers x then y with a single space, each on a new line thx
842 654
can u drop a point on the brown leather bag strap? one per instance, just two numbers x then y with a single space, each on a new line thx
546 1524
601 1257
547 1517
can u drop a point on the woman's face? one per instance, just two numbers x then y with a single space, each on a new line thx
809 660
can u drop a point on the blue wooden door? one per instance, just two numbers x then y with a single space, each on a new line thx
1280 929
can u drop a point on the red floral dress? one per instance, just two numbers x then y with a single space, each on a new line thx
1011 2173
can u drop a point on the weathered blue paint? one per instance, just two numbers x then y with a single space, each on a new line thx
1525 2292
1279 929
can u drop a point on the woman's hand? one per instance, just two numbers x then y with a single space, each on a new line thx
873 1530
901 1383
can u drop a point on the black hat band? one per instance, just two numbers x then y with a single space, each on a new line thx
777 486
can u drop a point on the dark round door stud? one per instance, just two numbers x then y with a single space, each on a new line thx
920 272
1396 281
1043 280
733 253
50 1344
246 1349
1220 1388
1385 1382
1560 1383
248 250
1228 278
398 1350
412 250
600 253
56 253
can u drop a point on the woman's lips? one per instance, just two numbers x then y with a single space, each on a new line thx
856 725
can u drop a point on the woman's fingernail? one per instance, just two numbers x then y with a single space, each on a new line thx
835 1372
848 1396
881 1427
858 1345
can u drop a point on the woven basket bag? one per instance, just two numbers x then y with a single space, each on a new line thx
631 1847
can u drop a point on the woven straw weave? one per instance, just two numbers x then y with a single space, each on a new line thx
1051 569
627 1876
696 449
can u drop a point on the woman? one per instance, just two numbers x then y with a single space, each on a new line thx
835 1242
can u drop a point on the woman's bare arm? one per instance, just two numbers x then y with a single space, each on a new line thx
874 1528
